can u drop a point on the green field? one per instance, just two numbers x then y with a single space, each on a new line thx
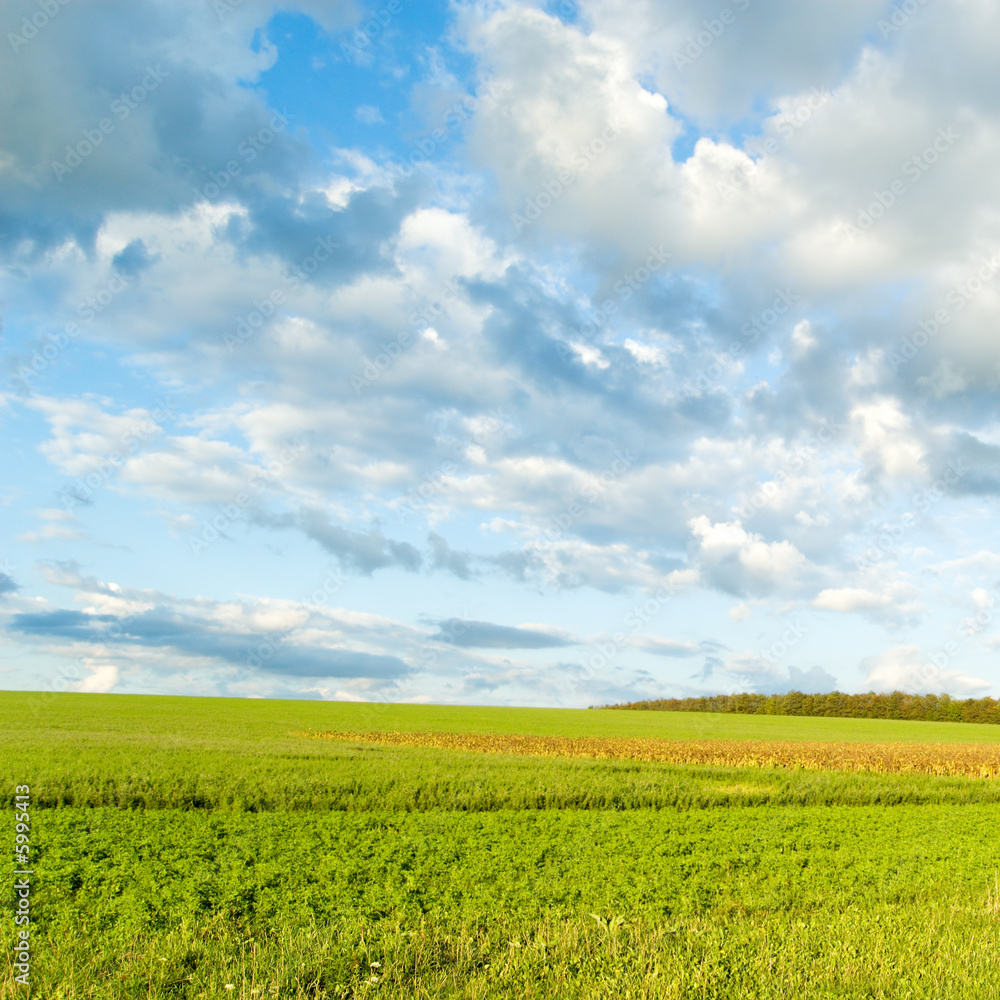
181 846
215 719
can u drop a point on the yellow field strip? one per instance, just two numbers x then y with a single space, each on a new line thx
972 760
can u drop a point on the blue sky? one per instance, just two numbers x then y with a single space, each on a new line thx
499 353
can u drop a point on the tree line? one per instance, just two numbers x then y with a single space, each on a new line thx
898 705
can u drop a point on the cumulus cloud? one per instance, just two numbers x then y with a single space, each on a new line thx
894 600
908 668
101 680
850 599
135 117
741 562
603 304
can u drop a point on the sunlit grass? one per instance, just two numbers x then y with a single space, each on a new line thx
178 855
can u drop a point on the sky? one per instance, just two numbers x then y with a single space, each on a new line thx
497 352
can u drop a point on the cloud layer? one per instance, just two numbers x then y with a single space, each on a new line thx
542 321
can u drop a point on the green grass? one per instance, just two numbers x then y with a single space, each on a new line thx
198 889
228 754
210 721
185 844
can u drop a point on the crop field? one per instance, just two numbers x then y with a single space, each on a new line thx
979 760
186 848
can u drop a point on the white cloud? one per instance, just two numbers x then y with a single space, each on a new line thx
848 599
887 596
803 338
102 679
746 164
738 561
907 668
886 439
87 440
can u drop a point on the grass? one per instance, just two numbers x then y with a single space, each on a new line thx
212 722
183 845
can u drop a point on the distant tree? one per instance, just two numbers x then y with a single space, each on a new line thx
836 704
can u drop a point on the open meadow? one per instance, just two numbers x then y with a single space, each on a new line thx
221 848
